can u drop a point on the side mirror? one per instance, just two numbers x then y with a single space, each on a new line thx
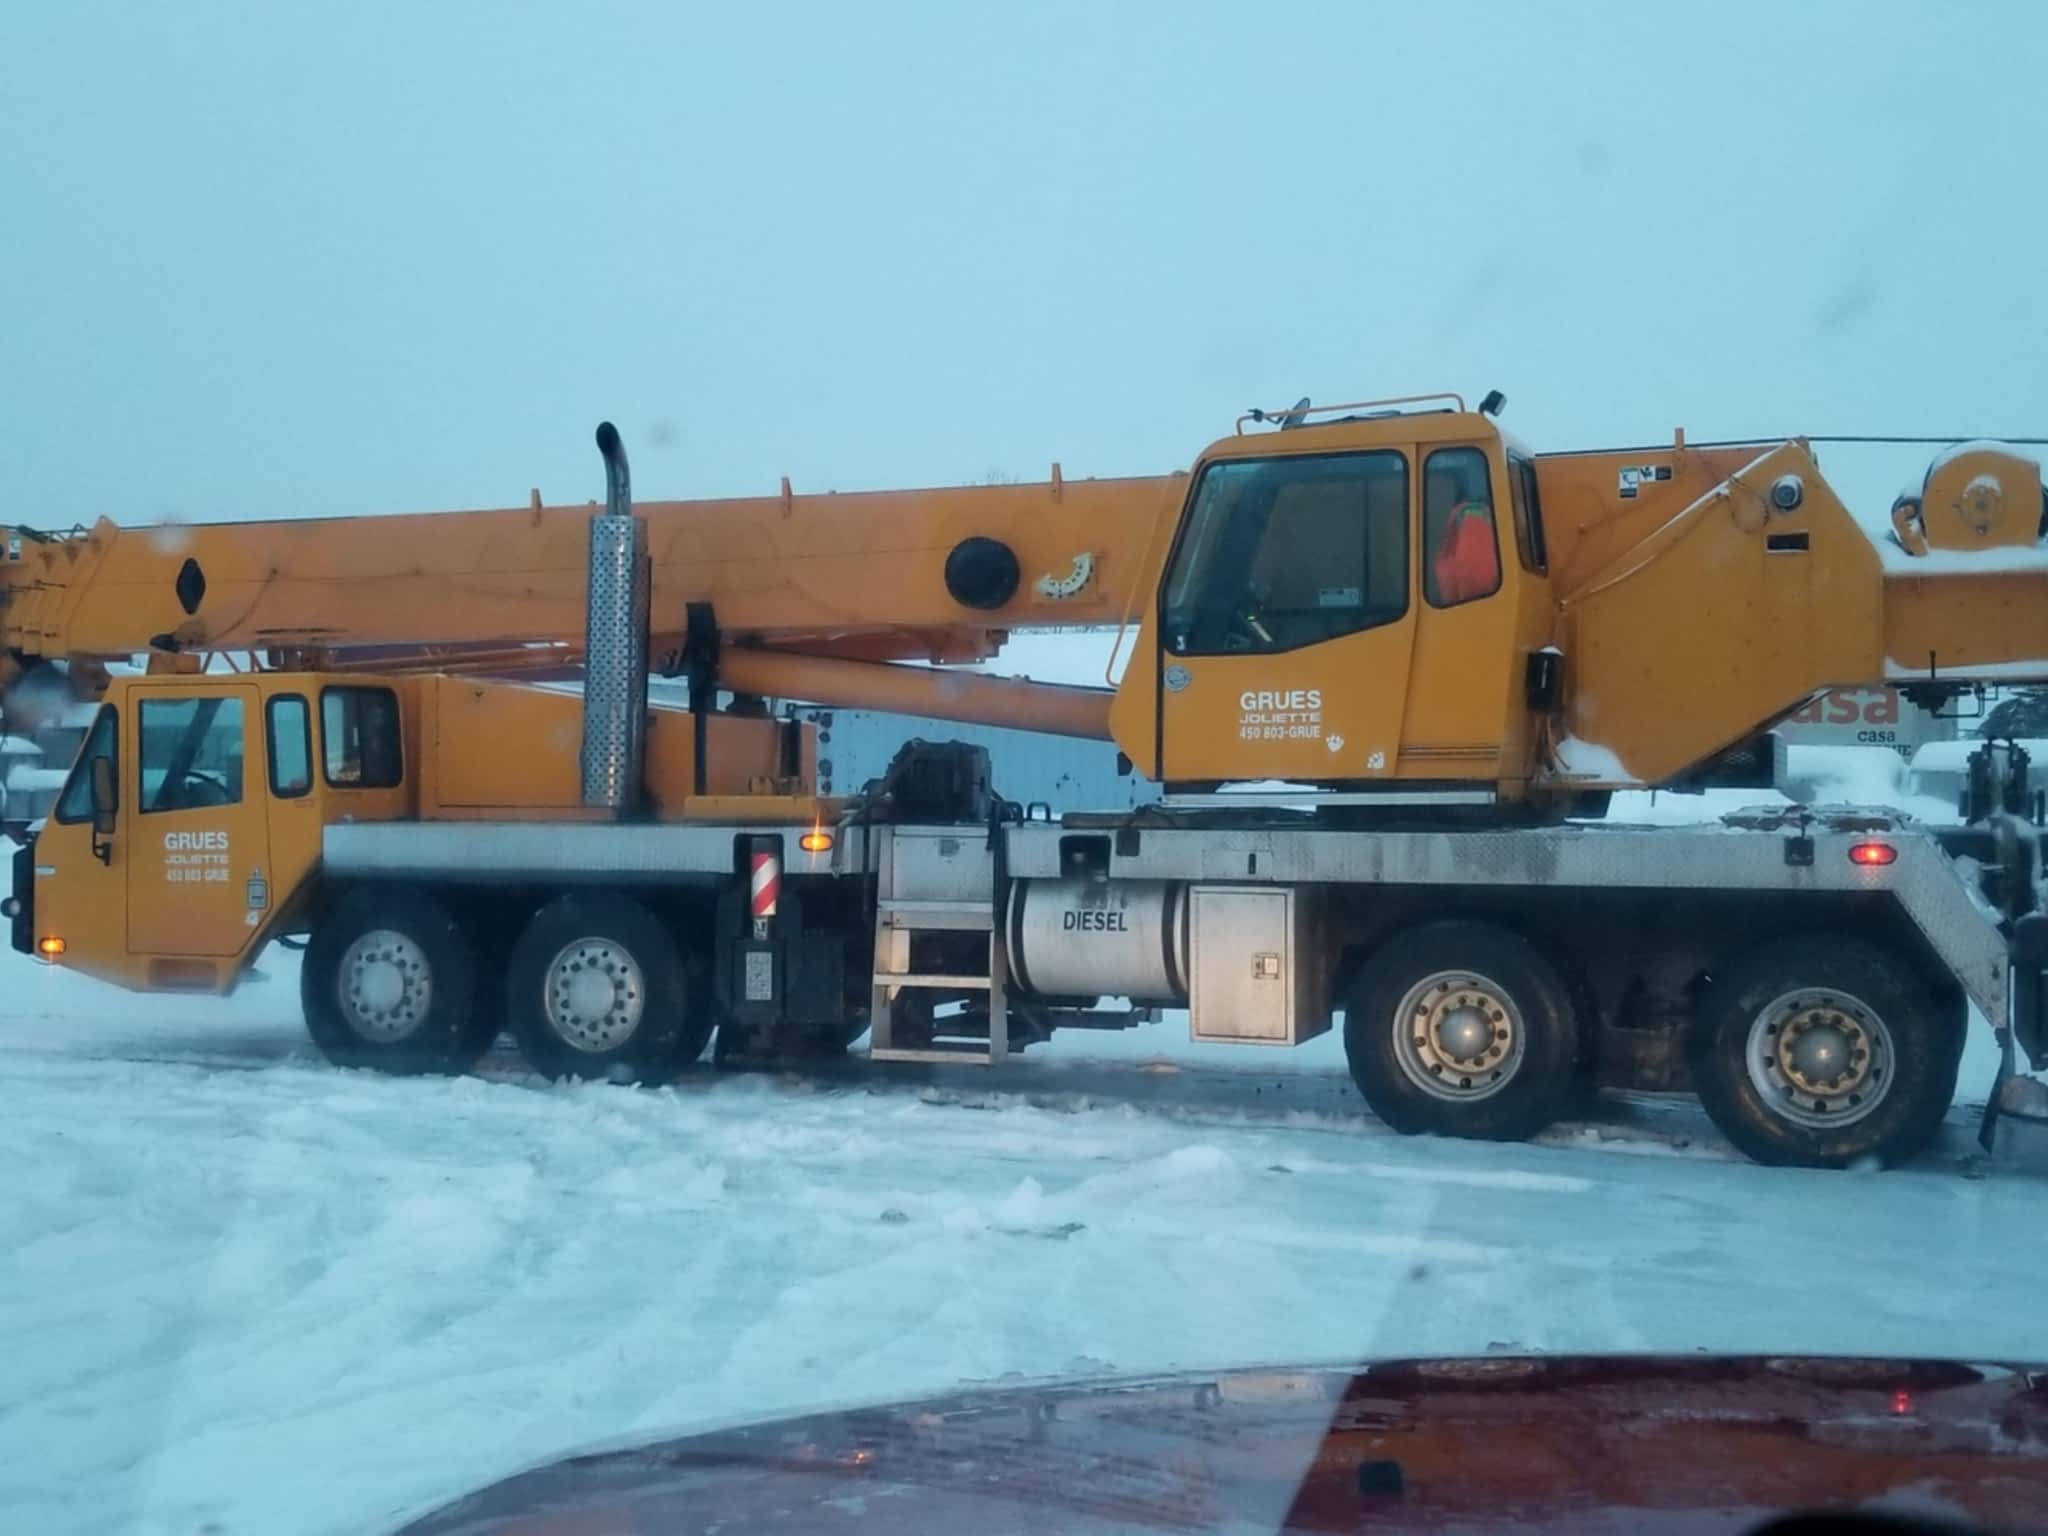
103 803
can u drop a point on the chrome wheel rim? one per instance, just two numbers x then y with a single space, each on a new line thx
385 985
1458 1036
594 995
1819 1058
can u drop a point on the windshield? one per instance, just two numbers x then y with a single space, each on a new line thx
1283 552
821 707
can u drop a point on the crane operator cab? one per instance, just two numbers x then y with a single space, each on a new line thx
1347 603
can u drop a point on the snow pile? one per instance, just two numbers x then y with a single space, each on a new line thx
1587 759
1954 756
1814 775
1941 768
1874 776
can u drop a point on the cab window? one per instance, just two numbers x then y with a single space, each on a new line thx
75 803
359 738
290 728
1280 553
191 753
1528 514
1461 548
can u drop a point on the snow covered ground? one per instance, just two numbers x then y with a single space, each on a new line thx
242 1292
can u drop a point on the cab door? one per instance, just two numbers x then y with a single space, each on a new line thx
1463 699
1287 620
81 878
198 851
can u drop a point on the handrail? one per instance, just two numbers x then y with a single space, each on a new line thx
1300 412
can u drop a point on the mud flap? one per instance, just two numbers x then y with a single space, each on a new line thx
2027 1027
1987 1130
21 905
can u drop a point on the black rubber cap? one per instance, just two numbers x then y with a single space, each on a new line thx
190 586
982 573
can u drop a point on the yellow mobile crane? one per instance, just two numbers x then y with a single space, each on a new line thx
1447 645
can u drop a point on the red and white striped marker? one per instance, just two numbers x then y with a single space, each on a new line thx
766 864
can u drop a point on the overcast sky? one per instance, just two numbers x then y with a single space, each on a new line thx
289 260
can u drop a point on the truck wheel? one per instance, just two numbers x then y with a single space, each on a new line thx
1820 1052
388 982
595 987
1460 1029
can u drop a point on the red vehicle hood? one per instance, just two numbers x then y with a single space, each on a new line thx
1494 1444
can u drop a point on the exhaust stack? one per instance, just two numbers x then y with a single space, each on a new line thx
615 644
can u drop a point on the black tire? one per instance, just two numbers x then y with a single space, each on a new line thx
1524 1078
650 1028
389 982
1890 1100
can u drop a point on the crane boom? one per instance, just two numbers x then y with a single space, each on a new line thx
810 594
870 576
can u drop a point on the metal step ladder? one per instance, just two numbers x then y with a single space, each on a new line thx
897 921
